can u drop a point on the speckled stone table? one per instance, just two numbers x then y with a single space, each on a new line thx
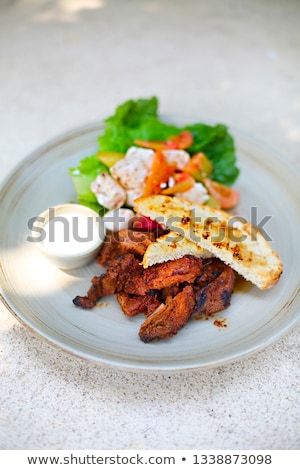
66 63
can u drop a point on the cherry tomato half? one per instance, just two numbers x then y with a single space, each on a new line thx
180 141
227 197
199 166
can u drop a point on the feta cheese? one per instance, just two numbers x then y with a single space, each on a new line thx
197 193
179 157
132 195
131 172
108 192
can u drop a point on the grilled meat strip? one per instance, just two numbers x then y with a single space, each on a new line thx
216 295
212 268
110 282
134 304
126 274
170 291
168 294
210 293
120 243
168 318
171 273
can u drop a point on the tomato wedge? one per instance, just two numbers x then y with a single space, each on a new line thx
160 173
184 182
181 141
199 166
153 144
227 197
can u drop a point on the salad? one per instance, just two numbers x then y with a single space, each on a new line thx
140 155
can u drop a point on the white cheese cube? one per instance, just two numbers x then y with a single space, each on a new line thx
132 171
108 192
132 195
197 193
179 157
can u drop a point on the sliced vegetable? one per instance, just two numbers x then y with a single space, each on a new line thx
181 141
154 145
199 166
183 182
212 202
227 197
159 174
110 158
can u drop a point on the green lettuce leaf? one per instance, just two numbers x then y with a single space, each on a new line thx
128 118
134 120
82 176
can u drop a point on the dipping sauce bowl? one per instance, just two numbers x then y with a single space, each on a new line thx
70 235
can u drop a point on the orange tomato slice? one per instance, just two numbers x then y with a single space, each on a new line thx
199 166
180 141
227 197
160 173
151 144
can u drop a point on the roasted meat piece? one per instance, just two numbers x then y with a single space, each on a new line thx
212 268
172 273
168 293
140 281
134 304
126 274
168 318
216 295
210 293
120 243
111 282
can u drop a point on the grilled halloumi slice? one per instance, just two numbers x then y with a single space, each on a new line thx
172 246
230 239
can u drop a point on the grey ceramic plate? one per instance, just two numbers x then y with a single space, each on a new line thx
40 296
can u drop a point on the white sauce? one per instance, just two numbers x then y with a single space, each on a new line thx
71 233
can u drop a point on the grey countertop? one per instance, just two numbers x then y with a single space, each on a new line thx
67 63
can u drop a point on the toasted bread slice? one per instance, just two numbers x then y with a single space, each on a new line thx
233 241
172 246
